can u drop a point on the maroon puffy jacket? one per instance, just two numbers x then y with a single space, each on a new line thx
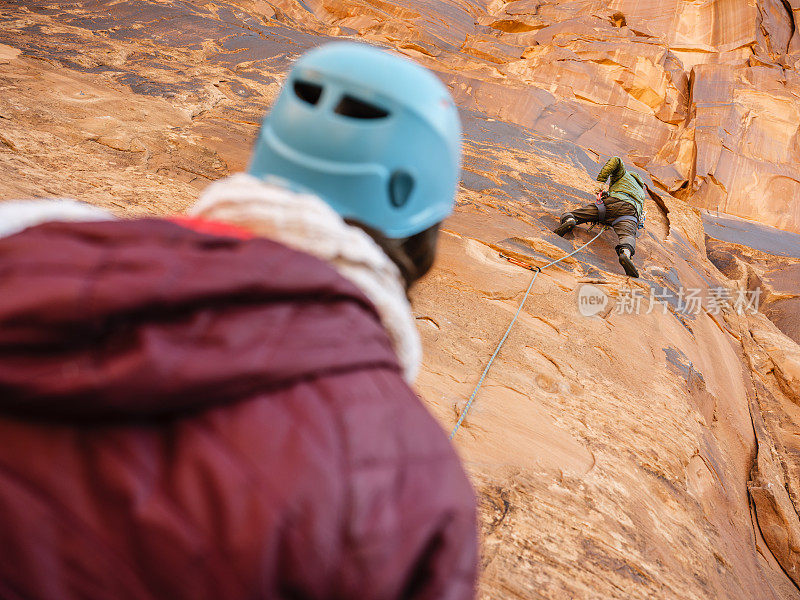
191 416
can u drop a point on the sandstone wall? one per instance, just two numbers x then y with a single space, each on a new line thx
620 456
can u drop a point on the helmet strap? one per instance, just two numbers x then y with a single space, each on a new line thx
412 255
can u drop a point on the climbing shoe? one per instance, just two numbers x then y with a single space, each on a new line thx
627 263
566 226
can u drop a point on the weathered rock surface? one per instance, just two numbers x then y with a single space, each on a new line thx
649 455
760 258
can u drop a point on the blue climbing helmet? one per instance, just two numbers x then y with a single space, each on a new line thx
374 134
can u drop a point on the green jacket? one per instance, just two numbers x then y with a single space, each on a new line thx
624 185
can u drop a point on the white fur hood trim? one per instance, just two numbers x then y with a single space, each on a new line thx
305 222
17 215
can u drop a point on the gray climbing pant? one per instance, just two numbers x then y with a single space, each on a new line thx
625 229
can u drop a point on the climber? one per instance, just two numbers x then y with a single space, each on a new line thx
218 406
622 208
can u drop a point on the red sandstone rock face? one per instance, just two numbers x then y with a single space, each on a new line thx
758 257
620 456
704 97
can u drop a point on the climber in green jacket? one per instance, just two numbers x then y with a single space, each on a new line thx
621 208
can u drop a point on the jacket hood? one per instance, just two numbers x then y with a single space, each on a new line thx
307 223
143 319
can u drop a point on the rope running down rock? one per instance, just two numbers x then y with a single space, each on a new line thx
514 320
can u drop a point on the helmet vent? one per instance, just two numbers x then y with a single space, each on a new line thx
308 92
358 109
401 184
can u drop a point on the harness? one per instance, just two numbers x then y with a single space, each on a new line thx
639 224
600 202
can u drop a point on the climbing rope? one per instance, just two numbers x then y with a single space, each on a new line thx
514 320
